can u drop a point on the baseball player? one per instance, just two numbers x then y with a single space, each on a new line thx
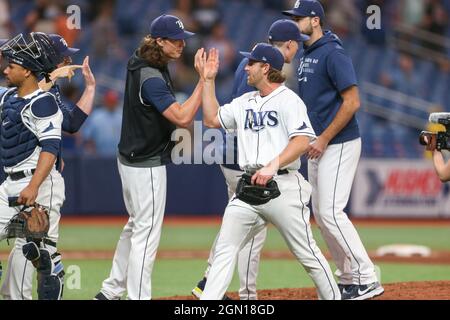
284 35
30 136
327 84
17 284
150 115
273 131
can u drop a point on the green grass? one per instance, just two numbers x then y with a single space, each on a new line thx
201 237
177 277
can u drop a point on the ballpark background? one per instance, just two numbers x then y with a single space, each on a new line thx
401 53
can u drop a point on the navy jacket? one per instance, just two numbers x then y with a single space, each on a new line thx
325 71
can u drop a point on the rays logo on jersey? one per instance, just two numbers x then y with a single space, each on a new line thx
301 76
256 121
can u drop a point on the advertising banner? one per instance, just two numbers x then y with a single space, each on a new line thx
399 188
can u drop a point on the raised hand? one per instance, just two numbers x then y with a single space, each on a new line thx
211 64
199 63
89 78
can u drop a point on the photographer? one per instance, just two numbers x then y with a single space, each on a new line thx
442 168
438 141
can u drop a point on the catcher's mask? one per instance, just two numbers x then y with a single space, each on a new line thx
36 54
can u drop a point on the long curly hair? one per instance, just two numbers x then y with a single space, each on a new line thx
276 76
150 51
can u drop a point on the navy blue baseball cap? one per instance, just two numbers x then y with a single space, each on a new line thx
306 8
167 26
285 30
60 45
266 53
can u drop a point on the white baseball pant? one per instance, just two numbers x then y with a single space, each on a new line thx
144 193
18 277
290 215
331 177
250 254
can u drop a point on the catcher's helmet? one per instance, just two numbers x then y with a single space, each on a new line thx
37 54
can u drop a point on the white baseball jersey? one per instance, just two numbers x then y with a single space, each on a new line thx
265 125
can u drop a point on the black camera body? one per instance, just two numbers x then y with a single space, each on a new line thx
442 138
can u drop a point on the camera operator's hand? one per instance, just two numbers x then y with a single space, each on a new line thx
442 168
431 145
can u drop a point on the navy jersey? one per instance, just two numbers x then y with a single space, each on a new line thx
325 71
73 116
240 87
29 125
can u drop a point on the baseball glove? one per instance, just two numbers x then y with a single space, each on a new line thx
31 222
254 194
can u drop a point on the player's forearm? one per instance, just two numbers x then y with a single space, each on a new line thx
86 101
296 147
190 107
210 104
349 107
442 169
45 164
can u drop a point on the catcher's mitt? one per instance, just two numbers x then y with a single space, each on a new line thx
31 222
255 194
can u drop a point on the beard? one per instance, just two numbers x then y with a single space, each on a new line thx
308 30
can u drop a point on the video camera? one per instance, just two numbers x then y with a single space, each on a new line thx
441 137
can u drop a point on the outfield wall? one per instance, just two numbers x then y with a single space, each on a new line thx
382 188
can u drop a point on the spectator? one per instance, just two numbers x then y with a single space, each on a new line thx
435 21
42 17
404 77
436 18
219 40
5 22
411 12
104 31
343 17
101 132
206 14
183 10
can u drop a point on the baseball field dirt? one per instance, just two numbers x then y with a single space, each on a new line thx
427 290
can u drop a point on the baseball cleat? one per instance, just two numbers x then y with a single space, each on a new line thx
198 290
361 292
346 287
100 296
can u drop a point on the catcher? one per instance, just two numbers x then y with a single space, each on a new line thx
273 131
18 277
30 135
